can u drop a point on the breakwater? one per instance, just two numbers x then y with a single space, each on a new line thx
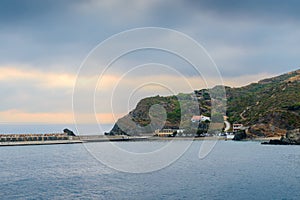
37 139
33 137
58 138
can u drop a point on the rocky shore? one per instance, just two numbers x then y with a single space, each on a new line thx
292 137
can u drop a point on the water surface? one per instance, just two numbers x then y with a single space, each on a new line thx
233 170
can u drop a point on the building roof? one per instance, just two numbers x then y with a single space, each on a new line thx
199 118
196 118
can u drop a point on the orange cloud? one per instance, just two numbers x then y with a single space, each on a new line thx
18 116
174 84
51 80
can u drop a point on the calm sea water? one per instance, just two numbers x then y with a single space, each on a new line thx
233 170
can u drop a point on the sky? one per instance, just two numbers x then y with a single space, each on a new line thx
44 43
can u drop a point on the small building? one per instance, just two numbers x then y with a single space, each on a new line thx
167 132
237 127
200 118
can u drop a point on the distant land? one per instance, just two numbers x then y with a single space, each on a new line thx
269 107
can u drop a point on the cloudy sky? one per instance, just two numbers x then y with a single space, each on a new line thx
44 43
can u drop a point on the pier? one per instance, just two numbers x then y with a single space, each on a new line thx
59 138
37 139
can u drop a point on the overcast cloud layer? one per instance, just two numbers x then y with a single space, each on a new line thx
44 42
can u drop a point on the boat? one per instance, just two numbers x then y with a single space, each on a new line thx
229 136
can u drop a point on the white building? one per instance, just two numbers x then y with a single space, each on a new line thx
237 127
200 118
167 132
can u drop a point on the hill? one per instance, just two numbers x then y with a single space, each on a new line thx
269 107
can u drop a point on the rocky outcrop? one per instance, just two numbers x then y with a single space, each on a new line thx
292 138
69 132
240 136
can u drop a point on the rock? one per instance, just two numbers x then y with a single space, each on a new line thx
281 142
293 136
69 132
240 136
116 130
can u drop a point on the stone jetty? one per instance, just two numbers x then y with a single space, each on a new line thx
67 137
37 139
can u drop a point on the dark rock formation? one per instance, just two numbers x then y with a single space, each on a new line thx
292 138
69 132
116 131
276 142
240 136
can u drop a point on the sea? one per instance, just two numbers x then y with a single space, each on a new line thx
232 170
27 128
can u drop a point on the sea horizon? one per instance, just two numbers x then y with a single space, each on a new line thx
42 128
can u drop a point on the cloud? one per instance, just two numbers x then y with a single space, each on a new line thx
41 79
32 90
19 116
32 96
44 42
244 80
53 33
262 10
15 11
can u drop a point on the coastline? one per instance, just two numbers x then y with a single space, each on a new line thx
26 143
212 138
102 138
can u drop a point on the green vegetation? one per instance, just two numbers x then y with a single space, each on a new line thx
273 102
